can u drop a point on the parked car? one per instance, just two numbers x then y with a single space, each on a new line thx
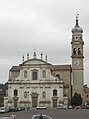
61 106
86 106
3 110
5 118
82 106
41 116
70 107
41 107
77 107
14 109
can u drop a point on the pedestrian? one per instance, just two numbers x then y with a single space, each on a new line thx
41 117
13 116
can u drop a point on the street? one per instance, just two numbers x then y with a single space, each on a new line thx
54 113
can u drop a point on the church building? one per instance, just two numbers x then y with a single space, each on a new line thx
36 82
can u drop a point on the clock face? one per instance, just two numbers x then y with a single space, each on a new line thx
77 63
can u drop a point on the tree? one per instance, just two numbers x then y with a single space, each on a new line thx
76 99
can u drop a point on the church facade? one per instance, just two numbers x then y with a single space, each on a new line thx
35 82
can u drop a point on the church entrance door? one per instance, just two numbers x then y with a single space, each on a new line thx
34 101
34 96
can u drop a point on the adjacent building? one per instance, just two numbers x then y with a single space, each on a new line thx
86 94
3 88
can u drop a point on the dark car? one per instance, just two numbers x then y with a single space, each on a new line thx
41 116
86 106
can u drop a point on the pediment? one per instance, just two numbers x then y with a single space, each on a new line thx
34 62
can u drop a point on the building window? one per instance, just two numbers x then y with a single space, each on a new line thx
25 74
44 94
34 75
58 76
54 92
73 37
15 92
44 73
80 37
25 94
74 51
76 37
79 51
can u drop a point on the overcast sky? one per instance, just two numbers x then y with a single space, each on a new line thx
44 25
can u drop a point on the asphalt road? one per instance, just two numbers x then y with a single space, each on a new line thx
54 113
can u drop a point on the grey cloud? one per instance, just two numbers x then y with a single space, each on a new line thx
43 25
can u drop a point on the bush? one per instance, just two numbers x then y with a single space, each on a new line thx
76 100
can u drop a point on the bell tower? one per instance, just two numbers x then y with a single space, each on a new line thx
77 59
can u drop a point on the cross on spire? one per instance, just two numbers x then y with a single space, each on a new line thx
77 14
77 19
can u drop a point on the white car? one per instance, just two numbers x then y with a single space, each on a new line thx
41 107
70 107
3 110
5 118
61 106
41 116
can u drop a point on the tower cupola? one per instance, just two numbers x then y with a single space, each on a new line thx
77 32
77 28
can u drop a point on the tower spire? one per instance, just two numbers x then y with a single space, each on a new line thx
77 19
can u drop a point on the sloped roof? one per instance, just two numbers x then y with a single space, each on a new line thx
61 67
15 68
18 68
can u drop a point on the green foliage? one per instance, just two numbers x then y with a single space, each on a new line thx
76 99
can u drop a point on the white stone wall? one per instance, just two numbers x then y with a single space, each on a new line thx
47 84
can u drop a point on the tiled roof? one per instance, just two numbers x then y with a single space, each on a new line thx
61 67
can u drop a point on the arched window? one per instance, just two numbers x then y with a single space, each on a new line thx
79 51
15 92
25 74
34 75
25 94
44 94
54 92
73 38
81 38
76 37
58 76
74 51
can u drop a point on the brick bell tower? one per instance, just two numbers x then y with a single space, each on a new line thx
77 59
